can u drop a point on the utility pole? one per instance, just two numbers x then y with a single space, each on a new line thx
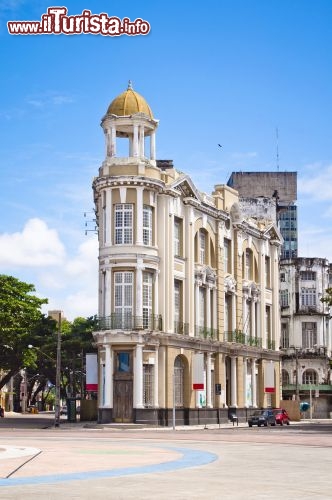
58 375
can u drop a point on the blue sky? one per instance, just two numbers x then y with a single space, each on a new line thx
225 71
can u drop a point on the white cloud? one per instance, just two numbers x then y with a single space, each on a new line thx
35 246
49 98
316 182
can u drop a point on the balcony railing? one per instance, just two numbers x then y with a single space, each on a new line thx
181 328
203 332
239 337
129 322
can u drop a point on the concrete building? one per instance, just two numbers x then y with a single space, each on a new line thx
280 187
189 319
306 337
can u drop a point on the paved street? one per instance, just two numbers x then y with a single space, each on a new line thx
121 462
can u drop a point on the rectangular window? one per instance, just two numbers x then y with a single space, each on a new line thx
147 225
177 237
147 301
202 247
123 298
227 255
123 224
247 265
178 325
284 298
309 335
267 272
284 335
308 297
307 276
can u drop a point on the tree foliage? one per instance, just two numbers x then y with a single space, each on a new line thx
328 297
20 318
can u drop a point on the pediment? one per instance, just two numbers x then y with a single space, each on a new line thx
187 188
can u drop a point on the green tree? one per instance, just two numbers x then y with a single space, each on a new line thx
328 297
20 320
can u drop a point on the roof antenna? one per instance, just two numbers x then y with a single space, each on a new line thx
277 140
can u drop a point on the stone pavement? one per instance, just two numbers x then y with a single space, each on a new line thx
119 462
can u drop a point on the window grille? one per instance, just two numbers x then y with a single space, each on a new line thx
123 224
147 225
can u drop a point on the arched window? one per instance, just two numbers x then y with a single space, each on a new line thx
309 377
284 377
178 381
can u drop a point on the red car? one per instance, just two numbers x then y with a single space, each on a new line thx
281 416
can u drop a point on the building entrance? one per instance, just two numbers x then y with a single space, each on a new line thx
123 388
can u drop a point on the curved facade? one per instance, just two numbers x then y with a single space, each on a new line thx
188 291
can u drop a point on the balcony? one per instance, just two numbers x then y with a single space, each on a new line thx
129 322
181 328
202 332
239 337
307 387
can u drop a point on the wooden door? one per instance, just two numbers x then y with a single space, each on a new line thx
123 388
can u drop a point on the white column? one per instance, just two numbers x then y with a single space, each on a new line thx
130 145
139 216
108 377
253 383
135 145
233 382
155 380
196 309
245 382
113 140
107 292
153 146
162 376
156 294
141 141
138 377
107 133
253 318
108 217
208 380
233 312
208 307
214 306
139 291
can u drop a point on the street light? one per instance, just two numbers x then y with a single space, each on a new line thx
58 376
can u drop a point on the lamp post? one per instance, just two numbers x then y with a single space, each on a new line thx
58 376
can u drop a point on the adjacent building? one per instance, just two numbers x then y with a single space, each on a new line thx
189 320
280 187
306 340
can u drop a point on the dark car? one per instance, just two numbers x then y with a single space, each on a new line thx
262 417
281 416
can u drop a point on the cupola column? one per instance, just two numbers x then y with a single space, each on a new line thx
141 141
153 146
135 144
113 140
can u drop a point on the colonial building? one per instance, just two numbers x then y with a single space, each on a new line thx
189 320
306 340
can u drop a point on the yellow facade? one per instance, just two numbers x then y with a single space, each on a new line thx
188 290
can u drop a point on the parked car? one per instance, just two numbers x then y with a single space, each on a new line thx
281 416
262 417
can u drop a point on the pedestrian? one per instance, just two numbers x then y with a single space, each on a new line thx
2 412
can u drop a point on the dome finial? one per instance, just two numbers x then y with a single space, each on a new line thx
130 85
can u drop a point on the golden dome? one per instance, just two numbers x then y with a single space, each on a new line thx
128 103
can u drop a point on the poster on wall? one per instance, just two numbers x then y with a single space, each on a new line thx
269 385
91 372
